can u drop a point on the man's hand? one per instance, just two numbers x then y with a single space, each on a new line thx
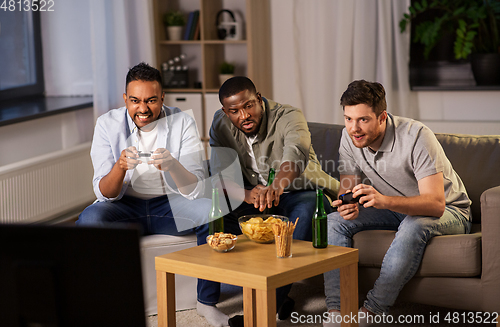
269 195
346 211
128 159
370 197
111 184
252 195
263 197
162 159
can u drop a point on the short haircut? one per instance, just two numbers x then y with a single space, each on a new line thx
362 92
235 85
143 72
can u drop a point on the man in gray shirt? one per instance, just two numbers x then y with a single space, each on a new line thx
399 172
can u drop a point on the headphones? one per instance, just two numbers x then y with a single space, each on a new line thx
225 30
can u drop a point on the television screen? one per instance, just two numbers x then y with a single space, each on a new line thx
70 276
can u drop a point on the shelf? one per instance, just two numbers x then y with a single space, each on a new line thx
456 88
181 42
224 42
180 90
198 42
250 55
445 76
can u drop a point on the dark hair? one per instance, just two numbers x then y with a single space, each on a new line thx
362 92
143 72
235 85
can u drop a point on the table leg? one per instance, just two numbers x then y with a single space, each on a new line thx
249 307
165 292
266 308
349 294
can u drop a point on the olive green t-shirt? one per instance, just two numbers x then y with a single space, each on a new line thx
283 136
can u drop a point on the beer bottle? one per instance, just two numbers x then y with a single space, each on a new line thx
319 223
215 219
270 179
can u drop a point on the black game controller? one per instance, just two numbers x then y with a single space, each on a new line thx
144 154
347 198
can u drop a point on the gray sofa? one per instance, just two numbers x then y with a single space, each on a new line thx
457 271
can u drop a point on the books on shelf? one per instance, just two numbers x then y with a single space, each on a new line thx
192 26
197 30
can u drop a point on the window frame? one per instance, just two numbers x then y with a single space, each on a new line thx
38 88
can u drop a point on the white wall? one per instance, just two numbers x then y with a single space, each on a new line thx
44 135
466 112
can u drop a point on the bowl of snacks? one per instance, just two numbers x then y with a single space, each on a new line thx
222 242
259 228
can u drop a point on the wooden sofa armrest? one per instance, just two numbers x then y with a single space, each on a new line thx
490 229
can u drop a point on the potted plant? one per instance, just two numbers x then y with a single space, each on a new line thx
174 21
472 26
226 71
485 57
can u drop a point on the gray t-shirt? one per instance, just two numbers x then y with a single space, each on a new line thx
409 152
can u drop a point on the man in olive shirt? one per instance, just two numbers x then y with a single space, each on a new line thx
265 135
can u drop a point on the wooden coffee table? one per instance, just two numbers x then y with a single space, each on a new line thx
255 267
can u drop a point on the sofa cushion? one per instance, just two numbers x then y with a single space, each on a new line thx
160 240
476 159
325 139
445 256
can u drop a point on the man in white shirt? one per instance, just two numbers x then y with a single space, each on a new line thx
148 168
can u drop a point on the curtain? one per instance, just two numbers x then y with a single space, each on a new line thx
320 46
121 36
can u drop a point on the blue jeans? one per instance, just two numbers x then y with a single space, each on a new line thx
403 257
294 204
156 216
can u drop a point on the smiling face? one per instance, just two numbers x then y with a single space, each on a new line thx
144 100
364 127
244 109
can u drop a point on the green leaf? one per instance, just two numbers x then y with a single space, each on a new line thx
458 11
418 6
470 35
402 25
462 24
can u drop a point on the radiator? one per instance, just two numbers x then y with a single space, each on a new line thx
46 186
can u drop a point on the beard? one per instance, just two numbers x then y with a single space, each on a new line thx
254 132
368 140
257 126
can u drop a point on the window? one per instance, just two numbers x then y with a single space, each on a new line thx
20 55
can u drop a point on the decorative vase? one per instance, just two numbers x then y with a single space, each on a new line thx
174 33
224 77
486 68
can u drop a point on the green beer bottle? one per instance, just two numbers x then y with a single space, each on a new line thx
319 223
270 179
215 219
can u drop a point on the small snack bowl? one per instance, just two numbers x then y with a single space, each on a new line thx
259 228
222 242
